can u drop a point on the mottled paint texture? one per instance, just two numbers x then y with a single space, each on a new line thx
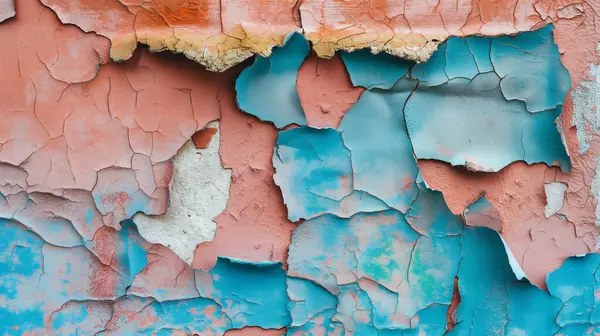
312 206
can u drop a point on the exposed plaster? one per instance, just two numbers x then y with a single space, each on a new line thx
70 262
586 98
7 9
595 190
555 196
199 191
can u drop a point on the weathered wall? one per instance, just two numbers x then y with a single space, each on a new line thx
310 168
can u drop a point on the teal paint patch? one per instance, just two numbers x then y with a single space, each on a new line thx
531 310
579 329
314 173
380 71
21 265
81 318
135 256
345 249
89 216
374 131
251 294
138 316
307 300
267 88
576 283
460 62
312 309
483 277
469 122
429 215
433 72
530 68
493 302
480 48
429 321
380 266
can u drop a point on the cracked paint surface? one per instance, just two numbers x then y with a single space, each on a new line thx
450 192
220 34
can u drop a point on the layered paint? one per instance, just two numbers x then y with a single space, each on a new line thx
451 190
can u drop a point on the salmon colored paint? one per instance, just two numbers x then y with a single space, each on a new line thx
325 90
254 225
202 138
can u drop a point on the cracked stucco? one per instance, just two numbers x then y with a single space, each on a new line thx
384 239
220 34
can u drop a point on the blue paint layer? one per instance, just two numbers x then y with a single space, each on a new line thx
530 68
380 265
315 175
251 294
433 72
575 284
460 61
308 301
379 71
382 157
482 280
267 88
480 48
468 122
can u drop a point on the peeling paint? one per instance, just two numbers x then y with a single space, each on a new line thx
198 192
280 71
296 195
483 213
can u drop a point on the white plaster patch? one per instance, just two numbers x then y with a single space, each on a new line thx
7 9
199 191
586 98
555 196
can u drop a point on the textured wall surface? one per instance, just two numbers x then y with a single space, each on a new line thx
310 167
